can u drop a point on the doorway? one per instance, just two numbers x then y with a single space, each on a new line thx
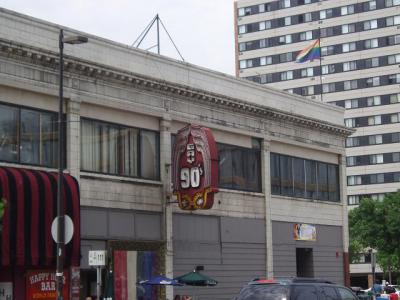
304 262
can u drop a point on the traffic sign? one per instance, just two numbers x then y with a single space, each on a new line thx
68 229
97 258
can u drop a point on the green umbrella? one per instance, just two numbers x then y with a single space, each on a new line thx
196 278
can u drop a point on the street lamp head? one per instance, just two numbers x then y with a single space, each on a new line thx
75 39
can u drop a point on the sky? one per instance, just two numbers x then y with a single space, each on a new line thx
203 30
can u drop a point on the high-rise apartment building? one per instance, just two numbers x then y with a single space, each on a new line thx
359 70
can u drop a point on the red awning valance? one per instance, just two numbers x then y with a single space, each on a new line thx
31 208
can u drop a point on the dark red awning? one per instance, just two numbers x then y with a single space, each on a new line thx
31 208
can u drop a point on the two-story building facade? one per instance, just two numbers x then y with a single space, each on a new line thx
281 208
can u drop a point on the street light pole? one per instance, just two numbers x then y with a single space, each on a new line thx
60 156
373 265
60 206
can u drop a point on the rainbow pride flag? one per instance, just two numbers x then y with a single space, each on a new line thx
310 53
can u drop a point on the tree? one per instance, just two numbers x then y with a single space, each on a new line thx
3 203
376 225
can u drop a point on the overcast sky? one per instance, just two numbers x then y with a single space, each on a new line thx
201 29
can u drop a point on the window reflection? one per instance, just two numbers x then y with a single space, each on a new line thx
28 136
8 133
114 149
303 178
239 168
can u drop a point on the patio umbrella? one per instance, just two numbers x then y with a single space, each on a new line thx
160 280
197 279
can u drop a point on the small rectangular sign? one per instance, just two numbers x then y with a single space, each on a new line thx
304 232
97 258
6 291
75 283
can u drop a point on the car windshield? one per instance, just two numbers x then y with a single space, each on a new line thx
264 292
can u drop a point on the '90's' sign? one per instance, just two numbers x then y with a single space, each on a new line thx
195 168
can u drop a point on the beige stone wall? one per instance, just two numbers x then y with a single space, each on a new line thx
113 192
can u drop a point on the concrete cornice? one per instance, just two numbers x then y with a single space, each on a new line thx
46 58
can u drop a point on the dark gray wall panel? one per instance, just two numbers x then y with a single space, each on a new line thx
327 251
244 231
196 228
227 254
121 224
94 223
147 226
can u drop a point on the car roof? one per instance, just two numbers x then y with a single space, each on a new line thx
289 280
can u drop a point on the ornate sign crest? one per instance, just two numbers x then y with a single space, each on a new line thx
195 168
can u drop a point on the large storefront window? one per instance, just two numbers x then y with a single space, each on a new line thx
239 167
28 136
118 150
303 178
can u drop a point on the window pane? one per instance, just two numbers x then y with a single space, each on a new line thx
286 175
8 133
149 154
90 146
323 181
252 170
239 168
346 294
128 150
275 176
48 139
304 293
329 293
394 98
299 177
311 179
225 166
30 137
238 179
112 143
333 180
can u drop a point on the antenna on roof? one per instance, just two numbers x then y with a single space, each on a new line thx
142 36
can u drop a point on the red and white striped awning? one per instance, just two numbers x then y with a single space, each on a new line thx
31 197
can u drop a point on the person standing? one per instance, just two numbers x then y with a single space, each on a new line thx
377 288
